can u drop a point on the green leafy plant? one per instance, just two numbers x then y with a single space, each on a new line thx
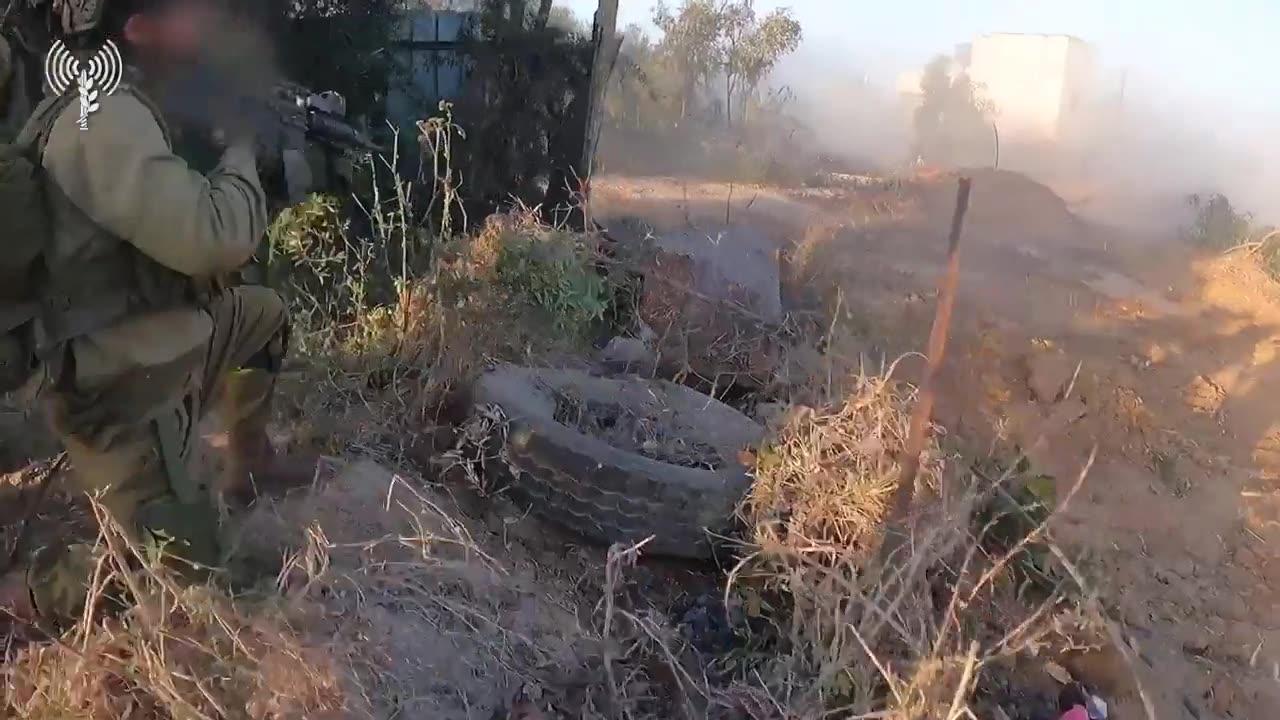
1011 519
1217 224
953 120
553 272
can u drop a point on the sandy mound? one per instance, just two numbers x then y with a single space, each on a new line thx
1012 205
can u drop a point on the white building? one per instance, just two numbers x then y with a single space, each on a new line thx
1039 84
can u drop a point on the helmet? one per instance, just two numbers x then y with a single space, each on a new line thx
72 17
75 16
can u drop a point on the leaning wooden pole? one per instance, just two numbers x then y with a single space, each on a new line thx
607 45
897 527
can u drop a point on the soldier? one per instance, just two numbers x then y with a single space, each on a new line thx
140 351
16 77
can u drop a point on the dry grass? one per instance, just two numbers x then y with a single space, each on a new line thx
387 600
913 639
383 595
178 651
827 475
358 597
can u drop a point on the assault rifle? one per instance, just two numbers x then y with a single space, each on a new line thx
305 139
321 118
305 142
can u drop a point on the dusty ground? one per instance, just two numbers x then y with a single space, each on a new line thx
1179 521
439 604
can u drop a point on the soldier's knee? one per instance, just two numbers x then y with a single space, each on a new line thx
270 307
271 356
264 303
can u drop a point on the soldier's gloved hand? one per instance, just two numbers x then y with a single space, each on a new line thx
227 135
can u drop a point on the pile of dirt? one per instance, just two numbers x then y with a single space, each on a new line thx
1008 202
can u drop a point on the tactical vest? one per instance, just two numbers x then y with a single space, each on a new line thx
45 301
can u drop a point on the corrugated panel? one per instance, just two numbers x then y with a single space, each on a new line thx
450 25
427 25
425 76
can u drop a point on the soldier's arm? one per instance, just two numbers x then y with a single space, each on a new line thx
6 68
123 175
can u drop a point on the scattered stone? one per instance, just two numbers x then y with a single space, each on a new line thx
1057 672
776 416
1156 355
628 355
771 414
1205 396
1240 641
646 333
1223 694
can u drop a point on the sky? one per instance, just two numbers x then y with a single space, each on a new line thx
1187 48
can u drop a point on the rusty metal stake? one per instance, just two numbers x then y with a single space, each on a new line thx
897 529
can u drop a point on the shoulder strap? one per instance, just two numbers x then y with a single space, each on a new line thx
35 134
15 101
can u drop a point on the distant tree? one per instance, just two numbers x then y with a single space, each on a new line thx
561 17
689 46
952 117
750 47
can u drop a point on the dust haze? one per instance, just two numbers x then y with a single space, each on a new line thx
1138 147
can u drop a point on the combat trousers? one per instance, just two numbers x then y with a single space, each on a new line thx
134 442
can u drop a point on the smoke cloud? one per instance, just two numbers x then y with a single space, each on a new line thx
1134 154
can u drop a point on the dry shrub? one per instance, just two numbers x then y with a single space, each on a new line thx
827 475
375 599
178 651
908 637
199 656
518 290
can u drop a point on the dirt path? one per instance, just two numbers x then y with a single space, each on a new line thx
1179 522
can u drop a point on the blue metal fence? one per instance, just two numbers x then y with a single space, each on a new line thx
429 66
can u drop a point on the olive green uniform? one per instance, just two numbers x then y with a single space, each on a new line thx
141 352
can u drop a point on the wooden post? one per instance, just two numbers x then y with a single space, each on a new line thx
897 527
607 44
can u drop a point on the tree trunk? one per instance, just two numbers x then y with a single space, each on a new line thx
544 13
728 99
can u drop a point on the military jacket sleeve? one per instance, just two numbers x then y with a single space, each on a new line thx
120 170
6 69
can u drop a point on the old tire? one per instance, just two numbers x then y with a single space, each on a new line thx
612 494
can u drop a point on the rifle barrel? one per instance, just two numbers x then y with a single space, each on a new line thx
328 128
